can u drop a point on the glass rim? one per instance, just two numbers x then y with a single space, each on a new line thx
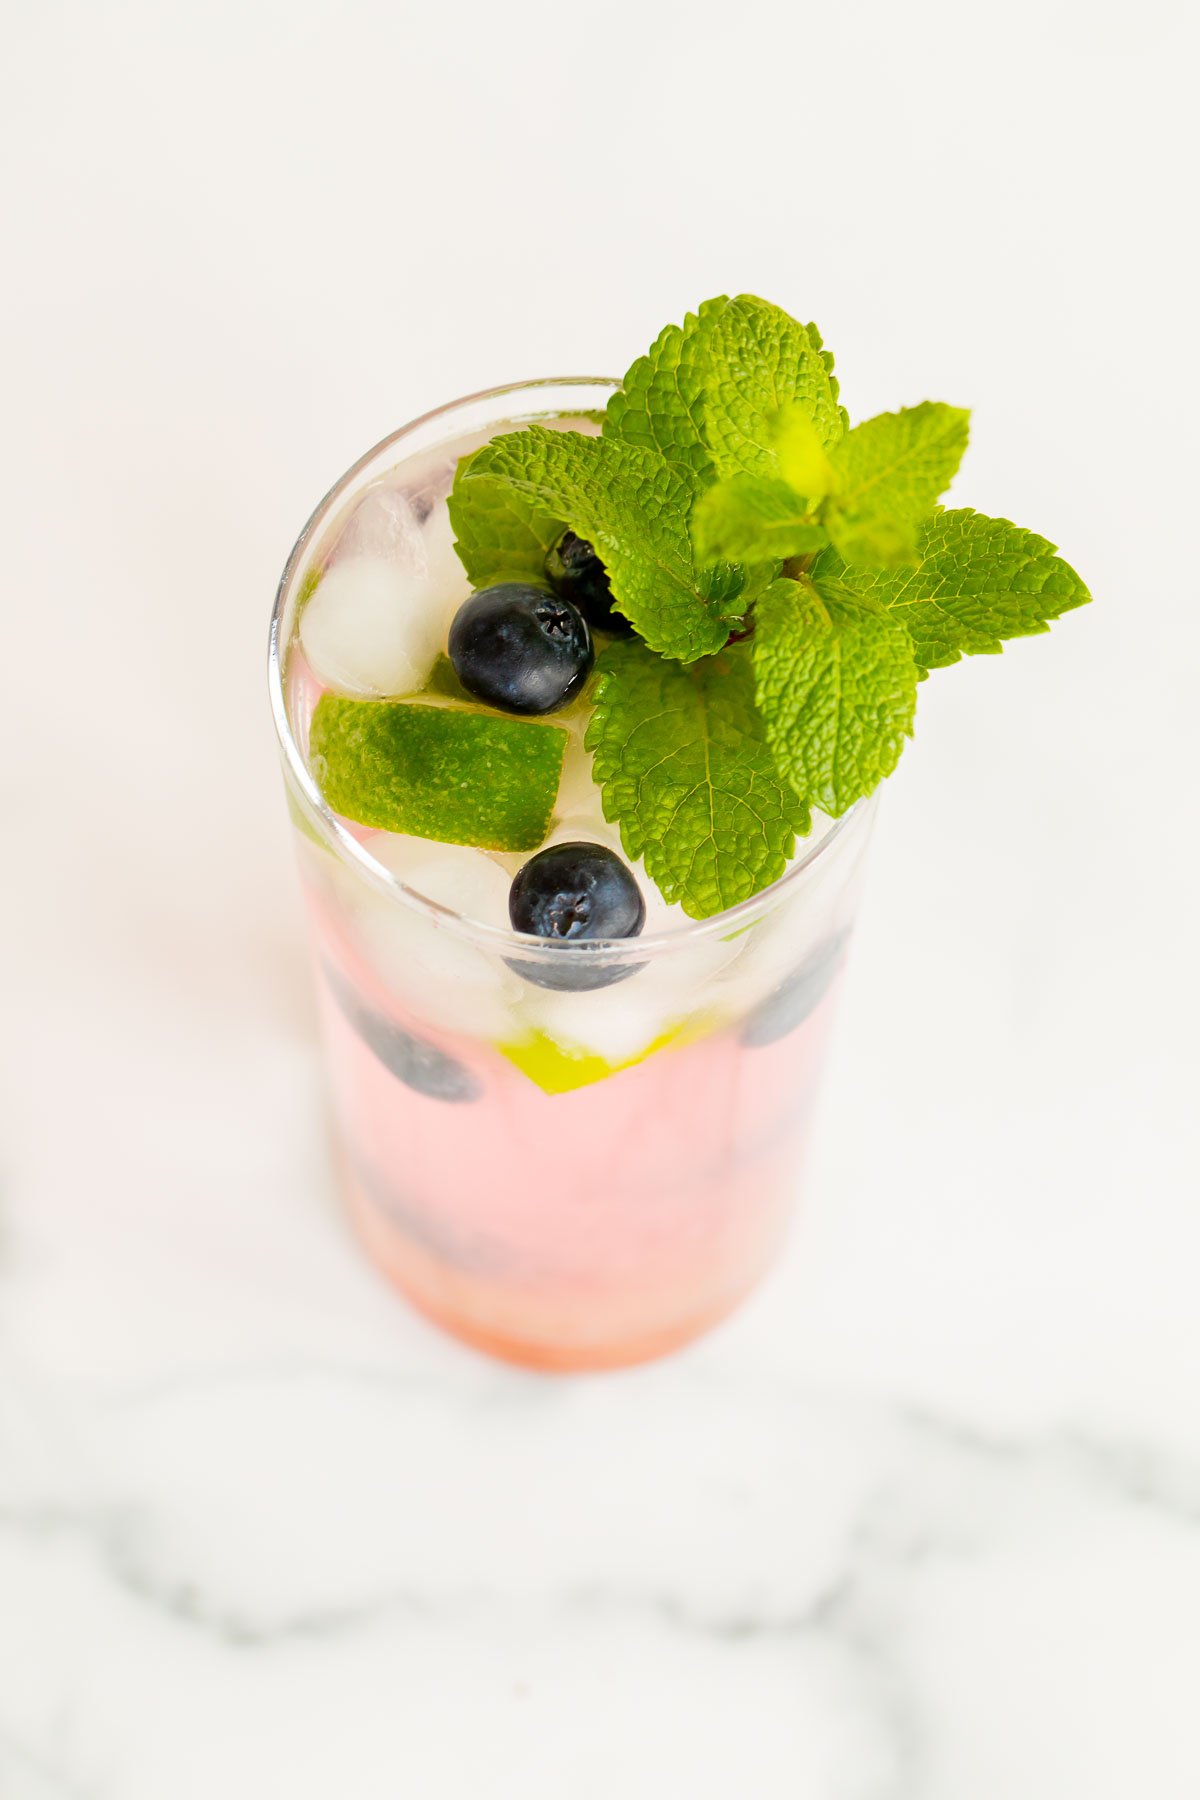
348 849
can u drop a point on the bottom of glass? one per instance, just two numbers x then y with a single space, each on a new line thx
544 1332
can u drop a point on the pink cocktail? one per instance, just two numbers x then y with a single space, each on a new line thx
568 1178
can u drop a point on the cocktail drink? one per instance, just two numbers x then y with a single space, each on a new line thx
568 1176
577 956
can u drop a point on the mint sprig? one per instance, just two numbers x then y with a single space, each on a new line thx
516 495
867 493
728 498
684 766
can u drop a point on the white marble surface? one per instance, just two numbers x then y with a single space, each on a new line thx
924 1521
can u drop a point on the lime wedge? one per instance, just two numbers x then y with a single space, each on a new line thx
437 772
557 1070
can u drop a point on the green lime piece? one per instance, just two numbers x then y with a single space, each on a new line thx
560 1071
438 772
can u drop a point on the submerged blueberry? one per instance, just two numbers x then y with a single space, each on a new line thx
418 1064
576 574
570 894
796 997
520 648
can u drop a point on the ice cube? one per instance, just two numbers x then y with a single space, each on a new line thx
431 969
446 579
428 480
577 790
624 1020
462 879
385 523
579 810
366 630
381 611
617 1022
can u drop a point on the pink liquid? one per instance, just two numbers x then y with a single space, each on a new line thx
565 1231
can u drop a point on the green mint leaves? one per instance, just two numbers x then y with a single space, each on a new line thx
887 475
791 581
758 362
866 493
658 405
514 497
974 582
837 687
755 516
703 396
683 763
437 772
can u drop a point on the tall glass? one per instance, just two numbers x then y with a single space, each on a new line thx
575 1177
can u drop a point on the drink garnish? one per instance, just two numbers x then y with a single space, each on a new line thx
789 581
438 771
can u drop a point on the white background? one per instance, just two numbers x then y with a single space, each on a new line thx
923 1520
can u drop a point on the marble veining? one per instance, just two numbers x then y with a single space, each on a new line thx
822 1557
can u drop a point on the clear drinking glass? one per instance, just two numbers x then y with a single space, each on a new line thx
565 1208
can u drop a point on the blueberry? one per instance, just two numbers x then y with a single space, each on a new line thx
419 1065
567 895
520 648
795 998
576 574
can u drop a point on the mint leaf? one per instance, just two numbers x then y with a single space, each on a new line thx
889 472
658 405
759 517
501 533
753 517
437 772
837 688
976 582
867 494
757 360
630 504
706 393
800 453
818 344
682 760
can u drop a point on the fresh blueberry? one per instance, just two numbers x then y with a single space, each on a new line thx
419 1065
796 997
567 895
576 574
520 648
